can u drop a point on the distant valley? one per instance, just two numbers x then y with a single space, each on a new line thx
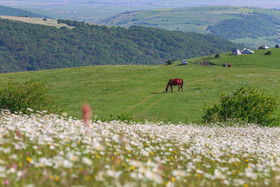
249 26
240 22
92 10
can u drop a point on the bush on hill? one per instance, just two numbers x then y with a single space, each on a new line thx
32 95
268 53
247 105
169 62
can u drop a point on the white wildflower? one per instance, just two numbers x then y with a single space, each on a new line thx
179 173
153 176
14 157
30 109
87 161
67 164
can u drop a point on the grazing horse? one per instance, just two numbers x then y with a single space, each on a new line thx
173 82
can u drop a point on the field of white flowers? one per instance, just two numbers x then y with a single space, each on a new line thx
51 150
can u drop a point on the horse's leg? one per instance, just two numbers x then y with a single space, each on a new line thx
171 88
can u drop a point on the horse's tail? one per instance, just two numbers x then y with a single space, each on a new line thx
182 82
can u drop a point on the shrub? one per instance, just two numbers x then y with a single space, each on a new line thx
169 62
247 105
217 56
32 95
268 53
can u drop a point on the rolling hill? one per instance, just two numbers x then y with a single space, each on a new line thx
139 91
249 26
8 11
25 47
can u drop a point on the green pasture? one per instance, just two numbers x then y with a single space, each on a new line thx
139 91
185 18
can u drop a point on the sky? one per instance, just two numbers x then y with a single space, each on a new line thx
252 3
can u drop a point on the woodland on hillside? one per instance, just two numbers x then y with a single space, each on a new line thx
248 26
25 47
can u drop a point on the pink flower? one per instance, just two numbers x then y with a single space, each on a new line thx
6 182
86 113
18 134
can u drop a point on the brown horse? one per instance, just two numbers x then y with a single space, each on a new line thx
173 82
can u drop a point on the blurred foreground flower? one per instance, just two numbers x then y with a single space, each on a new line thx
6 182
86 114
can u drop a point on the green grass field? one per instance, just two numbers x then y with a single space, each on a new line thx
140 90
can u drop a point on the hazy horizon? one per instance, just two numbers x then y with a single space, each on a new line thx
94 10
151 3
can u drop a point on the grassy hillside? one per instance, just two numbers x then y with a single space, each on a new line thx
139 90
25 47
238 24
40 21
